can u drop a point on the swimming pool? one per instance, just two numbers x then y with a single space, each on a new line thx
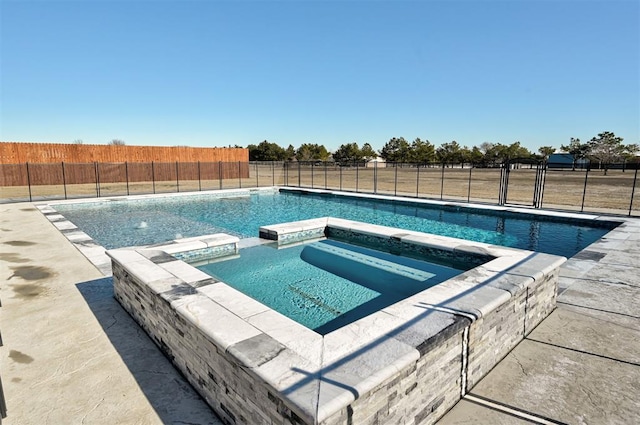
327 284
419 354
120 223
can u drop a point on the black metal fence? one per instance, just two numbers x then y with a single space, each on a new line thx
599 188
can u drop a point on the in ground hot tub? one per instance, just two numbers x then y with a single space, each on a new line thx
327 284
407 362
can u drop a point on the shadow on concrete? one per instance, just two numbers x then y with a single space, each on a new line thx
173 398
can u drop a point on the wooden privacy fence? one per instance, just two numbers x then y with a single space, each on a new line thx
63 173
17 153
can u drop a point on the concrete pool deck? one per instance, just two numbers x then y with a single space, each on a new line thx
71 354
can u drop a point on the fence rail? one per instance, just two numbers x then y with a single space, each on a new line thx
610 188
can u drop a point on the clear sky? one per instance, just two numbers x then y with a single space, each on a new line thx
219 73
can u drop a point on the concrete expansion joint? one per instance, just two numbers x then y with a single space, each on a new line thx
512 411
619 282
318 383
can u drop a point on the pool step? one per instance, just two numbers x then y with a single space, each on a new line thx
370 261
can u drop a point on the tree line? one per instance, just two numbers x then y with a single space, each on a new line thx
604 148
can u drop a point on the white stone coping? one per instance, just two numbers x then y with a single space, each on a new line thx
443 243
198 242
147 196
362 354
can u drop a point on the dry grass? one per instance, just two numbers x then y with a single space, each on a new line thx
563 189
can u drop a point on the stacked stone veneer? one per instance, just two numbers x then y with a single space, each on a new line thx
408 363
420 393
224 382
532 298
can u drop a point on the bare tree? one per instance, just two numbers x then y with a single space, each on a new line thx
608 148
117 142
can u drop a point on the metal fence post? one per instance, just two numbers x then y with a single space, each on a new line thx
633 189
507 175
257 178
199 178
311 176
469 187
285 168
501 186
395 181
273 173
442 182
95 173
538 188
584 190
29 181
375 176
357 166
418 181
64 181
97 179
505 169
239 175
341 178
177 178
299 179
153 177
126 175
544 182
325 175
220 173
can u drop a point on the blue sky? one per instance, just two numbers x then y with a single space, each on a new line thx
219 73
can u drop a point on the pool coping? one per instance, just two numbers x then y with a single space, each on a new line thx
299 364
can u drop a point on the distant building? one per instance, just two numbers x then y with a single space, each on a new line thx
566 161
376 162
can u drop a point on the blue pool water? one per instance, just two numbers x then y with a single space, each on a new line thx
328 284
117 224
